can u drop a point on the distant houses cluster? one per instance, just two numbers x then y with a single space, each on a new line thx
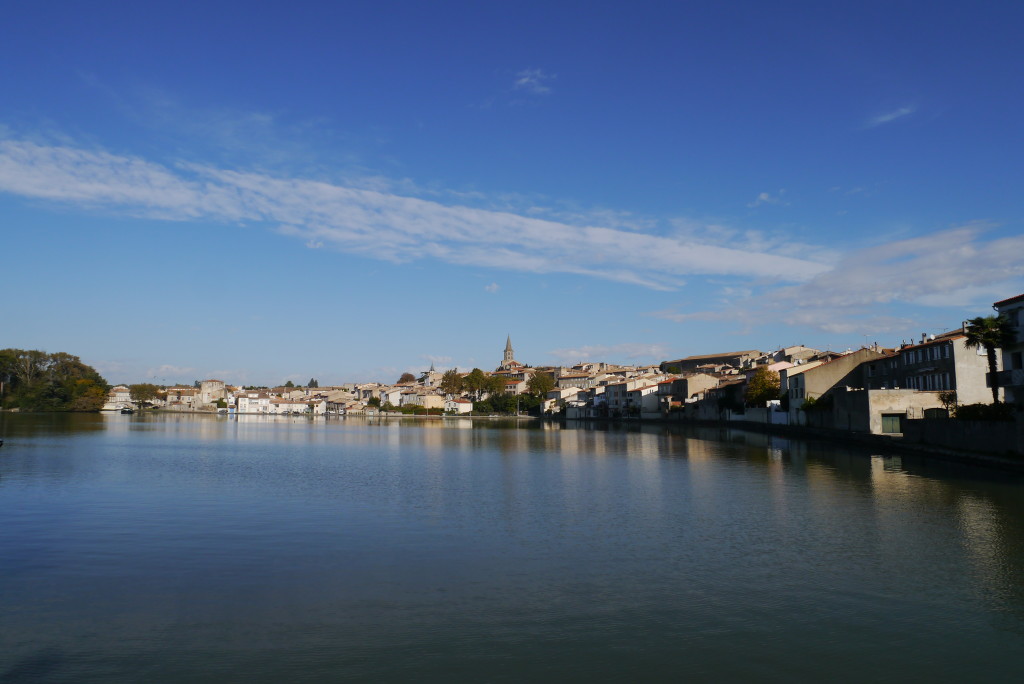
872 389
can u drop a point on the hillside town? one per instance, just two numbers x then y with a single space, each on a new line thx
874 389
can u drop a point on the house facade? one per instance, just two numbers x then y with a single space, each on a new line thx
939 363
1011 378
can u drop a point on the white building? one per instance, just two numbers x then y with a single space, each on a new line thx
253 402
458 406
118 398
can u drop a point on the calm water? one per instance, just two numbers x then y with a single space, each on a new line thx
179 548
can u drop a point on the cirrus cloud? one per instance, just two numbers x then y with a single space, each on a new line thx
377 224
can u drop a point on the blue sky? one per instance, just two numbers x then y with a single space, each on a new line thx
265 191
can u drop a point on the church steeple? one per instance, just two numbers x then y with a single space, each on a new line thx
509 356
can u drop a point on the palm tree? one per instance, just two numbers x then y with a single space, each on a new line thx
990 333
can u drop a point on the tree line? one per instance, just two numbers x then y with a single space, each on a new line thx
33 380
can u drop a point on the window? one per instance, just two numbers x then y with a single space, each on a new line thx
945 350
1016 360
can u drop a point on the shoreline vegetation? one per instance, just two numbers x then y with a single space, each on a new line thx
33 380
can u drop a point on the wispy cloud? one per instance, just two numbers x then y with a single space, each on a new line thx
768 198
628 350
377 224
533 81
955 267
492 288
888 117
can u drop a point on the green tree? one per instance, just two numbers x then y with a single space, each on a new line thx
289 384
451 382
406 377
762 388
540 384
90 396
989 333
313 383
142 393
495 384
34 380
475 382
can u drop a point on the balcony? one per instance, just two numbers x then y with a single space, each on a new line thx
1007 378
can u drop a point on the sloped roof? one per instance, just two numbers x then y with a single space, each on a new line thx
1011 300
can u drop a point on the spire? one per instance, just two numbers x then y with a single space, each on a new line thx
509 355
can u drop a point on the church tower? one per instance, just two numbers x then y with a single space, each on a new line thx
509 356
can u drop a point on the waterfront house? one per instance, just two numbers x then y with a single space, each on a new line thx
675 392
938 363
1011 378
118 397
210 392
181 398
458 406
252 402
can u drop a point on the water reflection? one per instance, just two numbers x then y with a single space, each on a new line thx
383 544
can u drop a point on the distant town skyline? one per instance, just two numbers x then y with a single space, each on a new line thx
287 191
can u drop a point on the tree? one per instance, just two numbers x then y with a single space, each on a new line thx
763 387
142 393
289 384
451 382
406 377
989 333
540 384
34 380
495 384
948 400
313 383
475 382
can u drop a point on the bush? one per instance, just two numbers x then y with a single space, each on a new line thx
996 412
817 404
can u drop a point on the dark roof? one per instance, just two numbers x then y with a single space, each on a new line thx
748 352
